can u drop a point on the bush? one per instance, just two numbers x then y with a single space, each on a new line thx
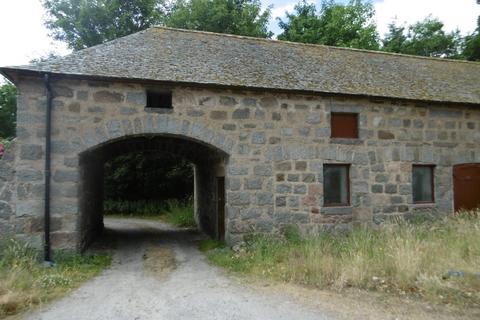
179 213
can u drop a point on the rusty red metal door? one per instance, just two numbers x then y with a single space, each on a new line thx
466 186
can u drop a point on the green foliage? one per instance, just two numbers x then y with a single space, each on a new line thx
8 110
400 258
151 177
472 44
350 25
210 244
241 17
85 23
424 38
139 208
292 233
24 282
179 214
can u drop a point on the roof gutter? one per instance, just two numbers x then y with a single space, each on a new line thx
48 138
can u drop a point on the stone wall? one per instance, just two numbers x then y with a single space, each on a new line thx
7 191
276 145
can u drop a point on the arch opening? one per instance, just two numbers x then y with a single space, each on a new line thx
208 165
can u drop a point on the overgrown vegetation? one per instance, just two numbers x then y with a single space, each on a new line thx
150 177
439 261
8 110
24 282
177 212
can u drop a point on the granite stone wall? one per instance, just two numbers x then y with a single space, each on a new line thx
7 191
276 145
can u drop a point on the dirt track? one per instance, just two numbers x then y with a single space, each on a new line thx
157 273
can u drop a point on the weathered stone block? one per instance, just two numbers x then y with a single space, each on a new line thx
268 102
254 183
377 188
66 176
264 198
218 115
105 96
284 188
300 189
240 114
5 210
258 138
31 152
137 98
391 188
281 201
228 101
264 170
385 135
29 175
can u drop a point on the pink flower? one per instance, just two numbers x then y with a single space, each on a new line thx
2 149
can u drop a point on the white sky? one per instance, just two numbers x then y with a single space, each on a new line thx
23 36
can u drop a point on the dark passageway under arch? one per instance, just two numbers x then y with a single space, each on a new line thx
208 161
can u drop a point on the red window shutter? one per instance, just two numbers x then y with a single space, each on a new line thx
344 125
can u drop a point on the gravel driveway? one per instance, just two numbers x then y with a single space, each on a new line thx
190 288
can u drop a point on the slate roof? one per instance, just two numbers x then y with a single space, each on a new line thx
193 57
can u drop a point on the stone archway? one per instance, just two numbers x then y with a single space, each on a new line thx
209 163
107 133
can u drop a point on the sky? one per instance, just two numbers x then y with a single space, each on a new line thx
23 36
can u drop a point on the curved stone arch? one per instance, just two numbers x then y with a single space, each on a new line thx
153 124
118 133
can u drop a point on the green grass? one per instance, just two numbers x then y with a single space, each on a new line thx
402 258
210 244
176 212
179 214
140 208
25 282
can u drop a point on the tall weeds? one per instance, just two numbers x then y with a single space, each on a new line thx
405 258
24 282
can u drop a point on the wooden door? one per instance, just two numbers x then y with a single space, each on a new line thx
221 208
466 186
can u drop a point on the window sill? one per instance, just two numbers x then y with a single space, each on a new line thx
347 141
159 110
424 204
340 210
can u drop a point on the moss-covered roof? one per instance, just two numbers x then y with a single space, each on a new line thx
173 55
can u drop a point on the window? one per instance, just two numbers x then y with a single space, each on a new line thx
159 99
422 183
344 125
336 185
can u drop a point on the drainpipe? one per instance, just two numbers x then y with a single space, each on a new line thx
48 130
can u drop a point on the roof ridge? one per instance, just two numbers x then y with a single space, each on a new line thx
228 35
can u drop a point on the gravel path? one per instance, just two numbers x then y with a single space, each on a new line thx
193 290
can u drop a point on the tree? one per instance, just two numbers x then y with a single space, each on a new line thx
8 110
395 39
85 23
424 38
472 43
241 17
349 25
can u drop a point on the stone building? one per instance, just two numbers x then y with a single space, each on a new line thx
280 133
